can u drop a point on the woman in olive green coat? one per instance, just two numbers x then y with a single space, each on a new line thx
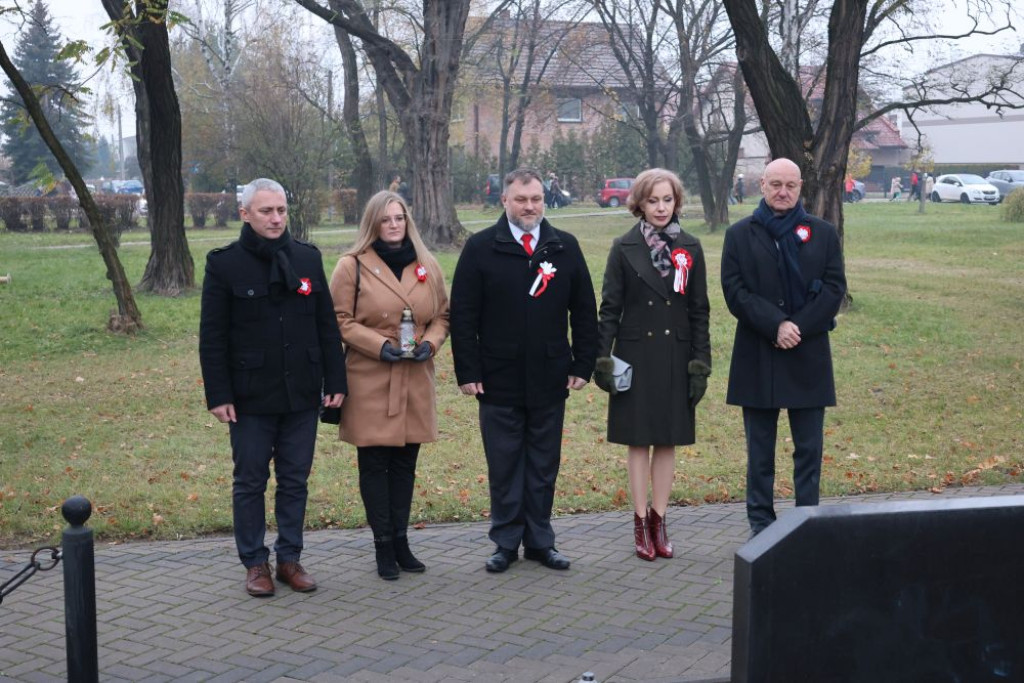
654 316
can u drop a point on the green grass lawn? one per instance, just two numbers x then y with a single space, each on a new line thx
928 371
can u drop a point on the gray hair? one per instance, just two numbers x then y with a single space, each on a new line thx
522 175
258 185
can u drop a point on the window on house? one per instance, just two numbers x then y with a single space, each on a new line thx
570 110
629 110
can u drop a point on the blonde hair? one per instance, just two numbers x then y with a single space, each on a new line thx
369 232
644 185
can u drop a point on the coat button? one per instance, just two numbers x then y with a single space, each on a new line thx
250 292
668 332
650 334
667 302
650 303
781 303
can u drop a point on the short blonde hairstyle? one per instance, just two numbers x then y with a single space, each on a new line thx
644 185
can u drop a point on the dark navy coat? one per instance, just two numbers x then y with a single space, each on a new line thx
761 375
517 345
262 355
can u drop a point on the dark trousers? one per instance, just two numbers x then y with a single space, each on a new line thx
288 439
523 447
761 425
387 476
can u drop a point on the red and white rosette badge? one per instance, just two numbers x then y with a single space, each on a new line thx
305 287
683 262
421 272
544 275
803 233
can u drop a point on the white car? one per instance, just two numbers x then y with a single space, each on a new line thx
964 187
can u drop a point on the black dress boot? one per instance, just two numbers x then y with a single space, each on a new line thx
406 560
387 567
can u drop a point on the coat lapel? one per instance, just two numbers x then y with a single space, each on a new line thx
374 266
638 254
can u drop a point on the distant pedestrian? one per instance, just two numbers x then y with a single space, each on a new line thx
396 182
915 187
929 185
848 186
738 188
895 189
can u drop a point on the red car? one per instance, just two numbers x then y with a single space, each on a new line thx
613 192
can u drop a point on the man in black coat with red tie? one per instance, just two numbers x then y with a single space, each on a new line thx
269 348
519 288
783 279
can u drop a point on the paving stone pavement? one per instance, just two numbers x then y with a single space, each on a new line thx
177 611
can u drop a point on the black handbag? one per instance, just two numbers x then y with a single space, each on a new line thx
332 416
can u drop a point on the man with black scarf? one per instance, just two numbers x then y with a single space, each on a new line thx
269 348
783 279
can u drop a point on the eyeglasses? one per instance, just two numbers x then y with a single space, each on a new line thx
393 220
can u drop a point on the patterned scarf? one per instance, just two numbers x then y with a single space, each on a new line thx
660 243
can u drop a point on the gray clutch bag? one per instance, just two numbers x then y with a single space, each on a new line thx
622 374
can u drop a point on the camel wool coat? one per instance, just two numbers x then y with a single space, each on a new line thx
388 404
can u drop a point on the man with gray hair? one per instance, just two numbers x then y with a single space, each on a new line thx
269 348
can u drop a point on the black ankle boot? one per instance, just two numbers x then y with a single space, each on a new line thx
406 560
387 568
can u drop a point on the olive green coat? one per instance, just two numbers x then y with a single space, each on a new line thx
658 331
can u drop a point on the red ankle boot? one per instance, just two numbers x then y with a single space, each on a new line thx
642 537
662 546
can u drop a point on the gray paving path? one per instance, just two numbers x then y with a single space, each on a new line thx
177 611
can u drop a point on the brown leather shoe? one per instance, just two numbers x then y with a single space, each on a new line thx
258 582
295 576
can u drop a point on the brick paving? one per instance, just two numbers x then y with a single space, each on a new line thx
177 611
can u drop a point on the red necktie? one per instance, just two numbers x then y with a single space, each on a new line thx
527 238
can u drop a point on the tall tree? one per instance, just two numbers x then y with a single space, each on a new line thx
365 178
38 59
142 27
420 89
817 137
127 318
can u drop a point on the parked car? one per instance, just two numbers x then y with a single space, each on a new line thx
967 188
613 191
1006 181
492 190
130 187
858 190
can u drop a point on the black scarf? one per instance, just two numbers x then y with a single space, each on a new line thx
276 252
783 231
396 258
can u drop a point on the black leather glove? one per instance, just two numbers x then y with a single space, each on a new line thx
389 354
603 375
422 352
699 371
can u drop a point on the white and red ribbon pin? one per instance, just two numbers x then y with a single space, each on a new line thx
683 262
803 233
305 287
544 275
421 272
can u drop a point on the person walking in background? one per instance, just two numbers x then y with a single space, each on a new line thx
396 182
654 315
783 280
895 189
520 286
739 189
915 188
848 188
929 185
386 279
269 348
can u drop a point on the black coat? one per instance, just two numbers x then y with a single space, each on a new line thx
761 375
658 331
517 345
262 355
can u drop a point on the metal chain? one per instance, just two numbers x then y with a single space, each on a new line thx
34 565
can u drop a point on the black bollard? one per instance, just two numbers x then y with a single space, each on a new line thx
79 592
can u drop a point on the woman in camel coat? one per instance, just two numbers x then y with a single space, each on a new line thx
391 407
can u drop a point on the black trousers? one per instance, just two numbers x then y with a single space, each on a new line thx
387 476
288 439
761 426
523 447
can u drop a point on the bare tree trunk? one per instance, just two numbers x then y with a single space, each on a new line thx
128 318
170 270
363 171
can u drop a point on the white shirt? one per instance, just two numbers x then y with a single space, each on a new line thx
518 233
